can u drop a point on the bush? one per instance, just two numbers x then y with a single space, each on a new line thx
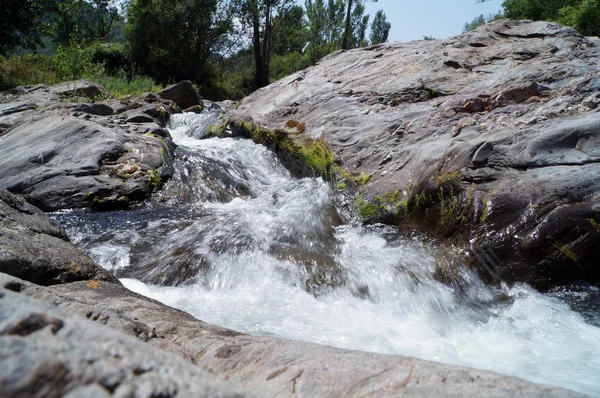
76 61
120 86
25 70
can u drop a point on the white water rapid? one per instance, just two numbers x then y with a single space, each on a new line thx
234 240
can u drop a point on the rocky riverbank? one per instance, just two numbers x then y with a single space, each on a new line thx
488 141
90 336
437 136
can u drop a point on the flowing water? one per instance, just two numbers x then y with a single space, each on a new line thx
236 241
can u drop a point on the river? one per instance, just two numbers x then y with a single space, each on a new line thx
236 241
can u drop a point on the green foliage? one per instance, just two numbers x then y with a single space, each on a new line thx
75 61
380 28
482 20
585 17
171 40
25 70
284 65
22 23
121 86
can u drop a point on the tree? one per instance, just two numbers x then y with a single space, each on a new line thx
380 28
258 15
482 20
348 29
22 23
585 17
172 40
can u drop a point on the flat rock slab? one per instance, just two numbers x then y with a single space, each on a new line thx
488 141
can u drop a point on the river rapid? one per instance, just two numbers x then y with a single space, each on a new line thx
236 241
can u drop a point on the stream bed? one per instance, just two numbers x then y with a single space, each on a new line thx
236 241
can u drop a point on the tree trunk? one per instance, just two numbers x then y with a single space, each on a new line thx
346 38
266 45
258 61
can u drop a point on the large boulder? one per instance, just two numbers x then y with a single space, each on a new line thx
32 247
264 365
488 140
49 352
69 155
183 94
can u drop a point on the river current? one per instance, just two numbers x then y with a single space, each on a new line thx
236 241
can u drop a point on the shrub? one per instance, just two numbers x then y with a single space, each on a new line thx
24 70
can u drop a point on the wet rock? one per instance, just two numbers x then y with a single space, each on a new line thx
183 94
510 118
32 247
264 365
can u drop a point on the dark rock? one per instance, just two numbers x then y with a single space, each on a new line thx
95 109
265 365
524 160
32 247
136 117
183 94
194 109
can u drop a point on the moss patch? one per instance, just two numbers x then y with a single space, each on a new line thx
310 153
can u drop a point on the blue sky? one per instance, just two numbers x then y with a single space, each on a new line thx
411 20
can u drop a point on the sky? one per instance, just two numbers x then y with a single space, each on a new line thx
413 19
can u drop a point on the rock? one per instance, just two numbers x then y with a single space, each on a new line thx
136 117
95 109
83 88
49 352
264 365
494 136
194 109
59 156
32 247
183 94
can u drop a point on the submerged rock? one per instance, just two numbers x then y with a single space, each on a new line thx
62 155
488 140
32 247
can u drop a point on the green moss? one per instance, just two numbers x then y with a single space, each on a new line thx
567 251
89 195
216 129
595 224
369 212
154 177
356 180
313 154
341 186
318 158
164 149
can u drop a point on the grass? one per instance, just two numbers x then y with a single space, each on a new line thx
26 70
32 69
